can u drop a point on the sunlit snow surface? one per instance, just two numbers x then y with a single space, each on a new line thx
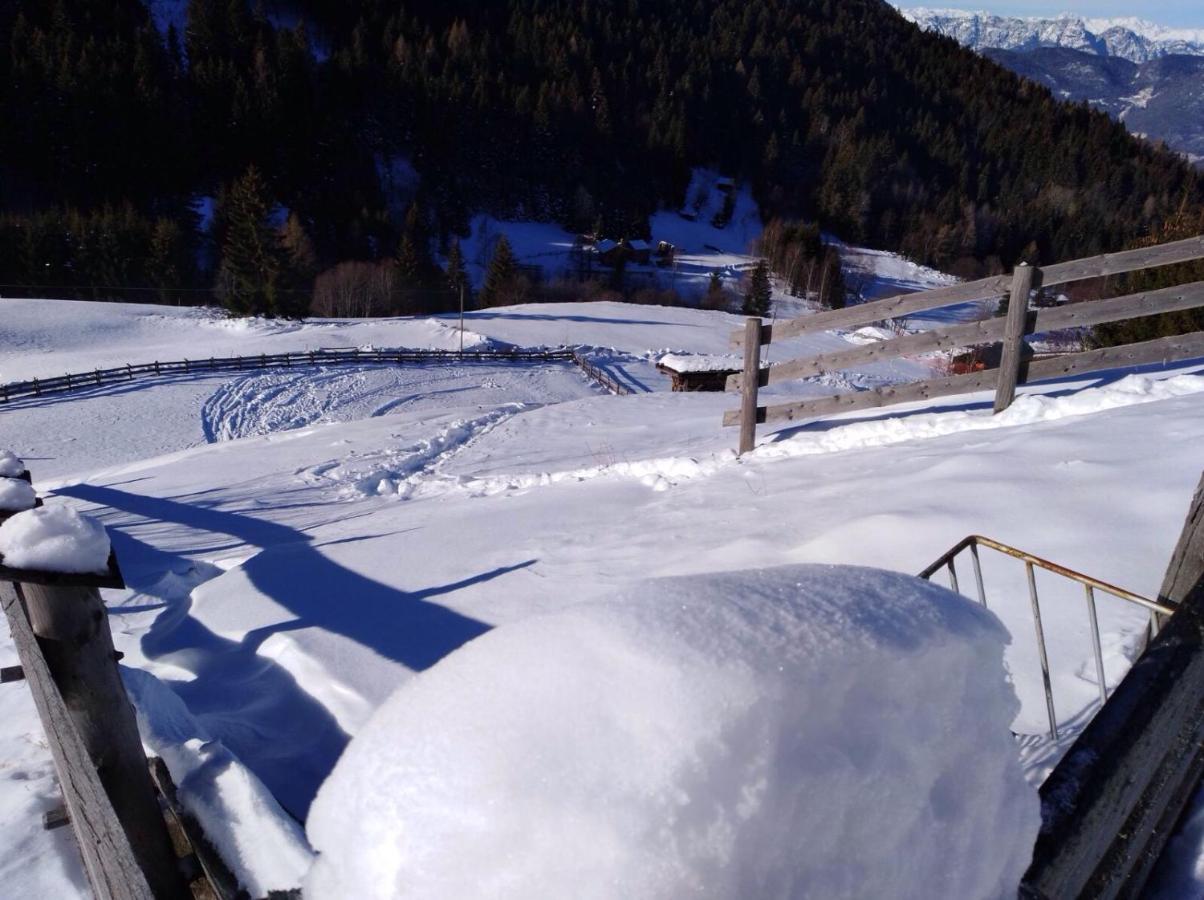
299 558
802 731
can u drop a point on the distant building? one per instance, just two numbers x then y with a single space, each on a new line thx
613 253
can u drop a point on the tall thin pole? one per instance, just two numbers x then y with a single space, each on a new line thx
461 318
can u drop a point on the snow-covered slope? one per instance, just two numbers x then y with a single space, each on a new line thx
284 583
1129 38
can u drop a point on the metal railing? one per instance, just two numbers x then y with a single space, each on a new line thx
1032 562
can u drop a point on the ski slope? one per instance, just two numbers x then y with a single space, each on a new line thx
299 545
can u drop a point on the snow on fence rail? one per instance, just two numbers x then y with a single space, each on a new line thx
38 387
1016 365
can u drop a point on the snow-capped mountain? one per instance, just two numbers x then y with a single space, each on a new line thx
1128 38
1147 76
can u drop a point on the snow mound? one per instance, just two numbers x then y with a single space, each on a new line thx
701 363
813 731
11 465
16 495
262 844
54 539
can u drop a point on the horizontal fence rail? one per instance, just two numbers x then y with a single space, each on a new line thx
996 286
1016 364
38 387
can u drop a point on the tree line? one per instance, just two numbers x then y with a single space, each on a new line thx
837 113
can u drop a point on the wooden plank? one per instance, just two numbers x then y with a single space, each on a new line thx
884 396
1024 278
984 331
748 393
112 869
1130 306
1160 351
72 629
1059 273
1112 802
1187 562
108 579
888 308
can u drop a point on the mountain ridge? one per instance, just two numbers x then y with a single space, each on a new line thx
1131 38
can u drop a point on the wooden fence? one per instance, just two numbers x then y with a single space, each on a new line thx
600 376
39 387
1016 365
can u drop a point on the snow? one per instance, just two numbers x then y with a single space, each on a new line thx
1130 38
734 735
300 546
11 465
264 846
16 495
701 363
54 539
43 338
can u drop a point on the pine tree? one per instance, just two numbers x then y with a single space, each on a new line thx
415 267
252 258
166 259
301 265
502 276
457 274
760 292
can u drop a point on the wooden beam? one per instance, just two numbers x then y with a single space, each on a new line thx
878 310
1113 801
748 393
1131 306
1177 348
1024 279
921 301
987 331
884 396
1161 351
1186 569
112 869
72 630
984 331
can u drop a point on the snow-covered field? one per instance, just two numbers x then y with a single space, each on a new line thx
299 546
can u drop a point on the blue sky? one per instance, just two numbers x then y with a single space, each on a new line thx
1180 13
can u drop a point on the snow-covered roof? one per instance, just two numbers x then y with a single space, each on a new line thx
697 362
605 246
639 245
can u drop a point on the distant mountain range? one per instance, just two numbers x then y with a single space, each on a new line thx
1147 76
1136 40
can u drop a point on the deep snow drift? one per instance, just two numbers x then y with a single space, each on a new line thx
805 731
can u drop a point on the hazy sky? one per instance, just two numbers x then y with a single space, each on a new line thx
1182 13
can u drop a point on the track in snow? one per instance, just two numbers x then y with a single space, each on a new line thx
269 402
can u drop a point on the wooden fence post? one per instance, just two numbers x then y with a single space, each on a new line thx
72 629
1024 278
748 387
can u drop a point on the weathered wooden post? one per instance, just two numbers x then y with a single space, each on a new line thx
61 630
72 630
1024 279
749 384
